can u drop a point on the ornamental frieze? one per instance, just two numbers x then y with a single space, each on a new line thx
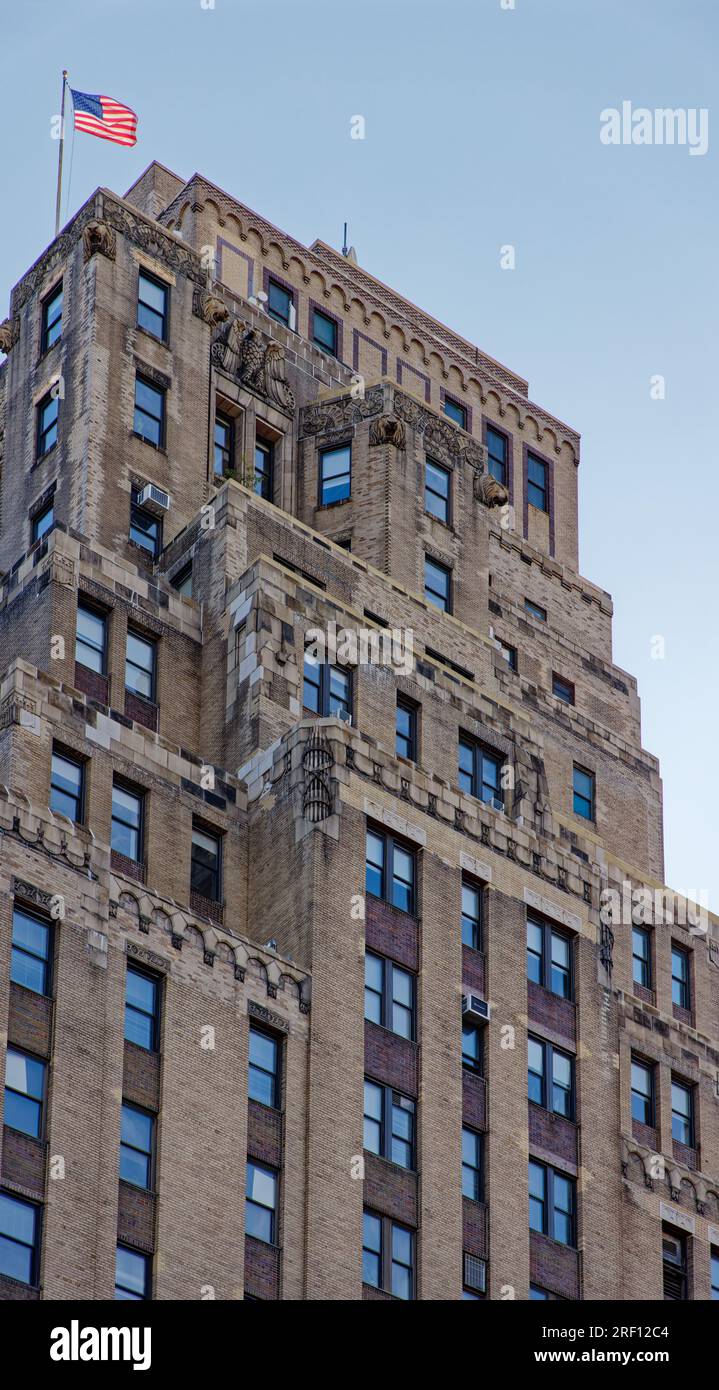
256 361
340 414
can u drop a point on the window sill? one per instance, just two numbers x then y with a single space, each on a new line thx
411 916
329 506
40 458
390 1163
146 333
554 1114
158 448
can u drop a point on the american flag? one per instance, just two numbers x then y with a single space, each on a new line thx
103 116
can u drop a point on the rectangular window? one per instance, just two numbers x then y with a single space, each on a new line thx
43 522
509 654
132 1274
552 1203
142 1009
264 469
390 870
264 1068
280 304
66 787
261 1202
224 442
584 793
536 610
550 1080
91 639
642 957
437 584
406 729
389 996
206 864
324 331
335 474
145 528
454 410
387 1255
51 319
389 1124
497 451
137 1130
30 954
683 1113
674 1265
327 690
152 304
19 1238
126 831
472 1165
549 957
681 989
715 1273
47 416
472 1047
140 664
149 420
564 690
24 1092
643 1093
182 582
480 772
474 1277
471 915
437 490
537 483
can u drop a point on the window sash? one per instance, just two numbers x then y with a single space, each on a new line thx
471 915
335 474
497 455
90 650
149 418
437 490
682 1114
18 1238
30 951
261 1202
140 666
43 522
152 301
642 1093
279 302
583 784
641 957
24 1092
132 1273
52 319
406 731
471 1164
264 458
537 483
263 1068
66 786
48 412
680 978
480 773
141 1018
126 828
454 410
145 529
136 1146
205 864
437 584
324 332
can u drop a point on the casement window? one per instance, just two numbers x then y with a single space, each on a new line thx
683 1113
390 870
43 522
550 1077
643 1103
552 1203
437 490
681 978
126 831
563 690
326 689
535 610
480 772
537 483
142 1009
454 410
280 304
261 1202
472 1047
474 1277
206 864
497 451
145 528
388 1255
437 584
264 468
51 329
24 1092
535 1292
182 582
149 418
30 952
19 1239
642 957
137 1132
47 417
549 957
389 996
389 1124
140 666
471 915
153 297
472 1165
509 654
335 474
584 793
223 444
67 778
674 1265
263 1082
324 331
91 639
714 1273
132 1274
406 729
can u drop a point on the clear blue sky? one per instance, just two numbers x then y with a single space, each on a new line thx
482 129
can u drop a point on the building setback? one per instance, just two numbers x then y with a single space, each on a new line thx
309 983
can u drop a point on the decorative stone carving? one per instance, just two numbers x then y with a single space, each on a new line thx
439 434
209 307
387 430
98 237
260 366
162 246
274 370
9 333
606 947
489 492
317 764
322 417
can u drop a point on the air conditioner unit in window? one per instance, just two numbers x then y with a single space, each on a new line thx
153 499
345 716
475 1008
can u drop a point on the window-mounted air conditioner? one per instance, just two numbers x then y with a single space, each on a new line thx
475 1008
153 499
345 716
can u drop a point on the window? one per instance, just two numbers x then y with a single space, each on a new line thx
387 1255
324 331
205 864
142 1009
30 955
537 483
43 522
389 1124
437 485
223 444
24 1092
19 1233
437 584
642 957
335 474
390 870
126 831
474 1277
132 1273
182 582
549 958
480 772
583 783
683 1113
715 1273
136 1139
66 787
145 529
564 690
550 1081
152 304
91 639
472 1165
472 1049
264 1068
51 329
389 996
261 1202
280 304
681 991
509 654
264 460
471 915
674 1264
140 666
643 1093
454 410
536 610
497 450
536 1293
149 421
327 690
552 1203
47 413
406 730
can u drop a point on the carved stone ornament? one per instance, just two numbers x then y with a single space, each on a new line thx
489 492
317 763
323 417
98 237
9 333
260 366
209 307
387 430
439 434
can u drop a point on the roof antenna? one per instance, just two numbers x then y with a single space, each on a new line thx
345 247
349 251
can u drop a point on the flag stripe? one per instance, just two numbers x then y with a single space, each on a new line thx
104 117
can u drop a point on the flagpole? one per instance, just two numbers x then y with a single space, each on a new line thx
60 151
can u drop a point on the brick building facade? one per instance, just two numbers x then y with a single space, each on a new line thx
309 983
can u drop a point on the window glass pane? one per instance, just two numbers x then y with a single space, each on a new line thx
436 583
335 472
130 1273
17 1219
455 412
324 331
375 863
